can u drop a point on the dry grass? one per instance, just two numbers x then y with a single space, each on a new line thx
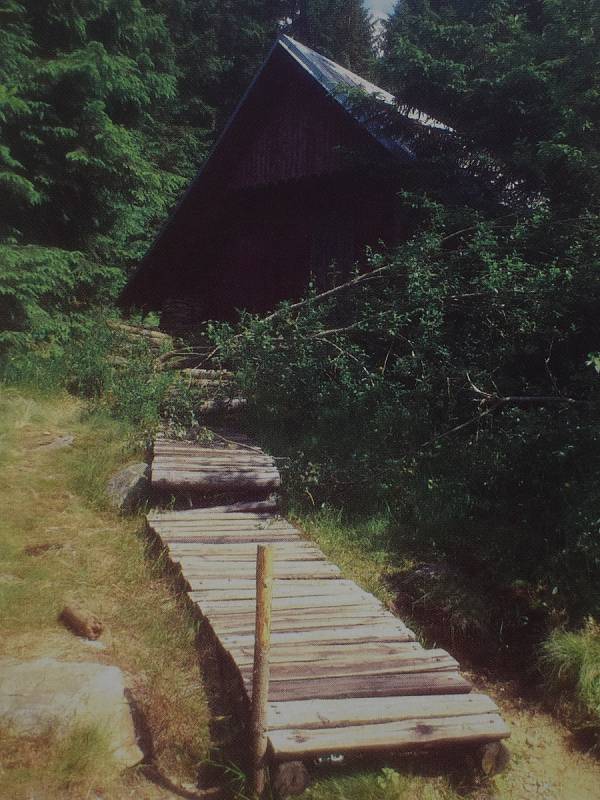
96 559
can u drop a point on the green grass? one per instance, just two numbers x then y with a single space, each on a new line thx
361 547
571 666
382 784
100 561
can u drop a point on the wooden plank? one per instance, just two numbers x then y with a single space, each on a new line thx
404 735
198 531
180 517
349 633
241 589
315 651
232 624
196 555
185 454
197 568
284 549
271 538
194 467
399 684
298 547
215 513
291 604
352 615
253 478
404 663
177 531
198 450
203 526
410 653
365 710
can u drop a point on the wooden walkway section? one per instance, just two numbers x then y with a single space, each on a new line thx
347 676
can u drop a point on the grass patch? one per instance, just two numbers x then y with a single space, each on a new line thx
571 666
98 560
360 547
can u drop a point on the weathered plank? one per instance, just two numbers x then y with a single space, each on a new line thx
346 674
232 524
215 480
242 589
228 624
195 567
218 605
234 538
293 549
402 735
350 686
426 661
228 512
380 632
318 652
340 713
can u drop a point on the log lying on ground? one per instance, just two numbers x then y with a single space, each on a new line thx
217 481
227 405
139 330
82 622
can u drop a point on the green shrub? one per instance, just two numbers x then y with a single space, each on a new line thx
115 374
571 665
450 383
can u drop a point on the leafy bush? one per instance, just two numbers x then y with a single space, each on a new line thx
449 382
115 374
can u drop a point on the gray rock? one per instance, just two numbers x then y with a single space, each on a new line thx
129 488
58 443
44 694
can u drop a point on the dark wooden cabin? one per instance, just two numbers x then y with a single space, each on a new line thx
289 190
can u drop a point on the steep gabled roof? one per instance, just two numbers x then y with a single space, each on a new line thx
334 78
340 85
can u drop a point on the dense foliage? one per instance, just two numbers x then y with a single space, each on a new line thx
456 381
339 29
106 110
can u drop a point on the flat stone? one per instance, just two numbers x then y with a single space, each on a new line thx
129 488
48 694
58 443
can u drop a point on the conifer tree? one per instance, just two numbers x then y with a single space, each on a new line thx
517 78
339 29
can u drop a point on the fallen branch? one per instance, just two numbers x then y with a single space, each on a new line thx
496 400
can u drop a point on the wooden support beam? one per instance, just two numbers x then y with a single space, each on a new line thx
260 675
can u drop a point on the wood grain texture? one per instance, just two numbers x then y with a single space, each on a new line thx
406 735
370 710
345 674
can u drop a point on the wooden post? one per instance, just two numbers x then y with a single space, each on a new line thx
260 675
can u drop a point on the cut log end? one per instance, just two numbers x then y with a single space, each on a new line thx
289 779
493 758
82 622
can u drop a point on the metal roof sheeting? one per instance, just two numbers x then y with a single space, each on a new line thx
333 78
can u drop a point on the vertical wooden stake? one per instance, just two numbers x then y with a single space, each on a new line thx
260 674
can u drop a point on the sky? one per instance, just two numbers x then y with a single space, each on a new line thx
380 8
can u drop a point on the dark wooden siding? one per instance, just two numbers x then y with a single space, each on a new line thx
301 134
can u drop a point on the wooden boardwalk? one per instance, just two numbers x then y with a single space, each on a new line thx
347 676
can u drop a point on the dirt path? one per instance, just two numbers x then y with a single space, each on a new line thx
546 763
